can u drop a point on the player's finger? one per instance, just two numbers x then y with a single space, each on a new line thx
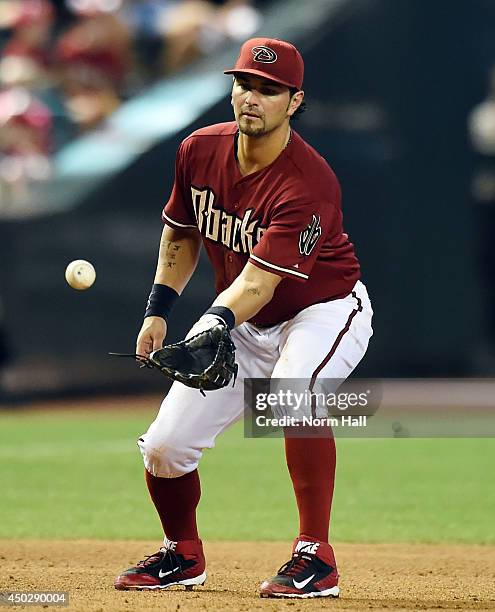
158 342
144 347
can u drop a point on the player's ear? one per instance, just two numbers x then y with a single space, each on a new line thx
295 102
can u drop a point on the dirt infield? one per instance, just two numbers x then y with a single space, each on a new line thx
378 576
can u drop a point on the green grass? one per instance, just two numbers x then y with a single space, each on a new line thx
80 475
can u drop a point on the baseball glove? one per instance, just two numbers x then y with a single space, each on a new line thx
205 361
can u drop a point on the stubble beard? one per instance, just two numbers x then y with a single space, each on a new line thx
252 130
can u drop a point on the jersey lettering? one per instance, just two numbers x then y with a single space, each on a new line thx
310 236
237 234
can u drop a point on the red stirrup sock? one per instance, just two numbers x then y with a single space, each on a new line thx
176 500
311 463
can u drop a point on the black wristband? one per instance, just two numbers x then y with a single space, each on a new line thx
161 300
224 313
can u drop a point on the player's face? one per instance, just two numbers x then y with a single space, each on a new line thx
260 106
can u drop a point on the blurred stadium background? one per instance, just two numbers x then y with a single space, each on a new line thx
95 96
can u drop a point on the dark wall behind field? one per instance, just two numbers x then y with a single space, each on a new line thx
388 92
410 73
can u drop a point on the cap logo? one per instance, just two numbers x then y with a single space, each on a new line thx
264 55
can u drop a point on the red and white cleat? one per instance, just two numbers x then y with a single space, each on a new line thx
312 572
175 563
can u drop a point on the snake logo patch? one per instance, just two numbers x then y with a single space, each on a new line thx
264 55
310 236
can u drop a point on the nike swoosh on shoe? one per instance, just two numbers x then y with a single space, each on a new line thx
163 574
303 583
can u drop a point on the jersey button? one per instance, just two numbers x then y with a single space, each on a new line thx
230 259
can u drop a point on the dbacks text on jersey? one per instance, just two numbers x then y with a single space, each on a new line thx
238 234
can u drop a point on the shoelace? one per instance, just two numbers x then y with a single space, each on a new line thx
150 559
173 559
297 564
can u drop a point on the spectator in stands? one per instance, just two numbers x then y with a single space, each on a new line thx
196 28
94 57
25 133
148 20
26 57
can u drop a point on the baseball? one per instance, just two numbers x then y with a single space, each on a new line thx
80 274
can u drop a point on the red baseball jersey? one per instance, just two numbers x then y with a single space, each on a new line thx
285 219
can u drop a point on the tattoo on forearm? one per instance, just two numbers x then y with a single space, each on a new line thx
254 291
168 245
169 251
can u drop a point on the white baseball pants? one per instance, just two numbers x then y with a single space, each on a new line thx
325 340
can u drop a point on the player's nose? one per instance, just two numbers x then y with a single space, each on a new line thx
251 97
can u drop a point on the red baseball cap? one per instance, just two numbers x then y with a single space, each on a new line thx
272 59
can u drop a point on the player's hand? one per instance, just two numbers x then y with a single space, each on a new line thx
203 324
151 336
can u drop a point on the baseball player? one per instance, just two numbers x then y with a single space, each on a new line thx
266 207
